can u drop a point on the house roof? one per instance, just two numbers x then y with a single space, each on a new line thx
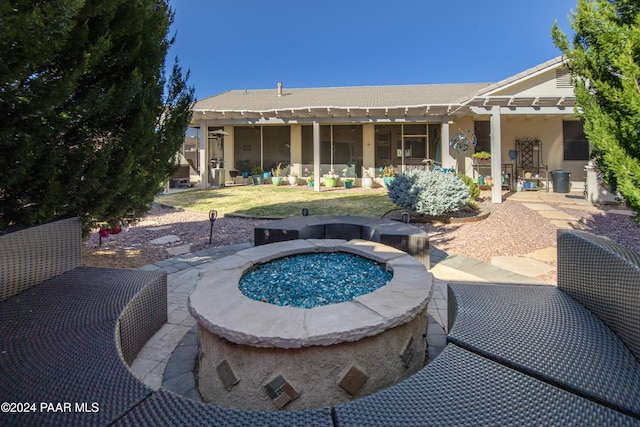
408 101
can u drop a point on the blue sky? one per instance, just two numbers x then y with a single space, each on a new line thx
254 44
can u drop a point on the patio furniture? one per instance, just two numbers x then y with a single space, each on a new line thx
66 330
516 354
530 355
407 238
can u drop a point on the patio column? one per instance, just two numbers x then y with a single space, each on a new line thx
445 151
496 155
316 155
203 155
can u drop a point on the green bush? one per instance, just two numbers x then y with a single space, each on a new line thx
474 188
428 192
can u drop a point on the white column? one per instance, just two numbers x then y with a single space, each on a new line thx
445 152
316 156
496 155
203 155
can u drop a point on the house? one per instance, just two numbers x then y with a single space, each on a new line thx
527 122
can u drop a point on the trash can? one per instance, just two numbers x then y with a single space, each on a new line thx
561 183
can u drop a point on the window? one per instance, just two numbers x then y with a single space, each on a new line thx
483 136
576 146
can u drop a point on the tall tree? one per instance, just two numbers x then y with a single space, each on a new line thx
89 124
604 61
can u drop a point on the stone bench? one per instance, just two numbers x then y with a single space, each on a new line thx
407 238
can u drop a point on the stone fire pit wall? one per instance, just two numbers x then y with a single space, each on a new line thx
255 355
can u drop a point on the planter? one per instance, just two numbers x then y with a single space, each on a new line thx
348 184
330 182
276 180
482 161
245 174
293 180
387 181
367 182
266 175
257 179
310 183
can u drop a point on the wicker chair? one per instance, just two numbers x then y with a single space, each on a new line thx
407 238
66 330
530 355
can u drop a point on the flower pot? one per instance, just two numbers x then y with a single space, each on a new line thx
293 180
310 183
348 184
266 175
276 180
367 182
245 174
257 179
387 181
330 182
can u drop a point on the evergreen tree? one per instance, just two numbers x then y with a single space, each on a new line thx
90 125
604 61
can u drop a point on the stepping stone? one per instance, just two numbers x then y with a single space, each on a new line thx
620 212
146 223
556 214
538 207
568 225
525 266
544 255
179 250
170 238
160 228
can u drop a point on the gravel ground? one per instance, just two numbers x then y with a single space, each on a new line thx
510 229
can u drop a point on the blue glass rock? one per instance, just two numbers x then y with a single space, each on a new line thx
313 280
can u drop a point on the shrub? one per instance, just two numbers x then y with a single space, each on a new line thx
474 188
427 192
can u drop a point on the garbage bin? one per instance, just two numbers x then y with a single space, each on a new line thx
561 183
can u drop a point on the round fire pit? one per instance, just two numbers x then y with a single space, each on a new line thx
258 355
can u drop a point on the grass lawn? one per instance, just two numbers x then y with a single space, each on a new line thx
267 201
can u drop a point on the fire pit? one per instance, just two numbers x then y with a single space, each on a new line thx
258 355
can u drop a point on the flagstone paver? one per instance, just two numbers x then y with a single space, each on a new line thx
169 238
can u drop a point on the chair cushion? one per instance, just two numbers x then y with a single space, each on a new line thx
167 408
464 389
542 332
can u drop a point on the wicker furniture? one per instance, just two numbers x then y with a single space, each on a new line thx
517 354
407 238
530 355
66 330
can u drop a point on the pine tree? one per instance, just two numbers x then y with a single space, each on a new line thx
604 61
90 125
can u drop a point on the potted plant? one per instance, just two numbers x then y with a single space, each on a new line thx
293 178
277 175
348 182
481 157
330 179
309 174
256 174
387 173
367 179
